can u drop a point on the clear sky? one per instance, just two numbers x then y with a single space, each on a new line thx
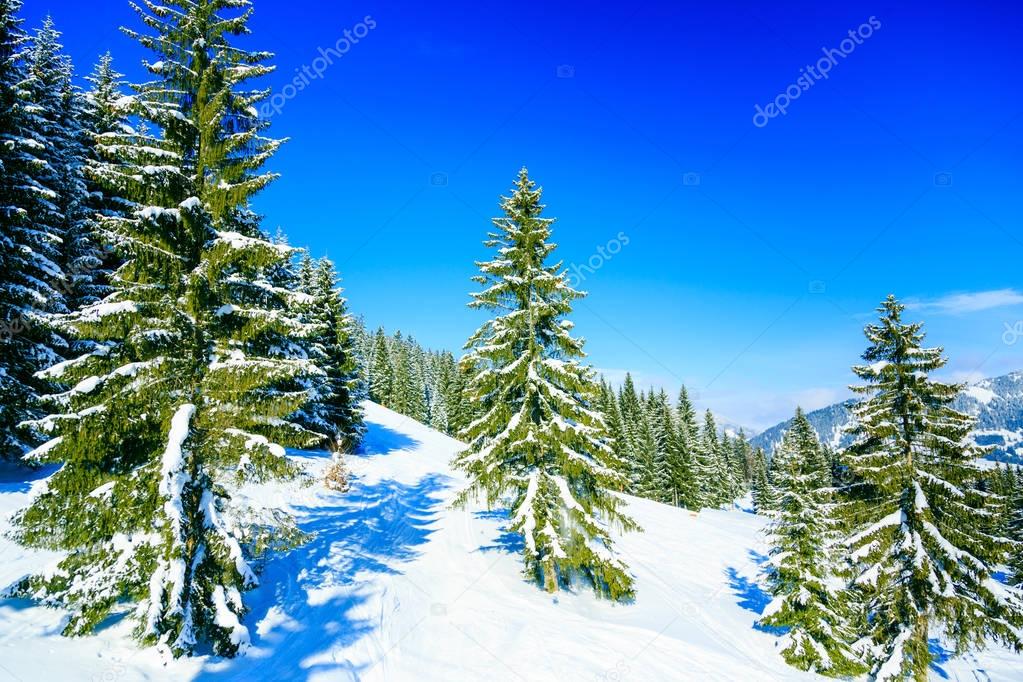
756 247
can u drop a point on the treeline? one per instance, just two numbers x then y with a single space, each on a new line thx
667 453
425 385
672 456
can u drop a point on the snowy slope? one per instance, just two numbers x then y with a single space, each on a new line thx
397 586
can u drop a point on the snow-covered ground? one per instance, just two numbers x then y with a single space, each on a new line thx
395 585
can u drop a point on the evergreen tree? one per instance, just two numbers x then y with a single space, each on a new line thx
765 497
659 415
742 461
648 475
539 439
188 381
102 113
334 409
685 473
66 155
801 537
922 557
709 472
636 460
381 374
461 410
31 227
1014 523
416 385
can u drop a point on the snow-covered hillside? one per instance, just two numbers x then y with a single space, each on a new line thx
395 585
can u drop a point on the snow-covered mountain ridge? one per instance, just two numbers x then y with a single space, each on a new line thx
394 584
996 403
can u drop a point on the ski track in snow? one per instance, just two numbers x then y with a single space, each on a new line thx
396 585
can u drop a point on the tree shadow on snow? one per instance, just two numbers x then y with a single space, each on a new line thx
940 656
15 478
302 614
752 596
381 440
508 541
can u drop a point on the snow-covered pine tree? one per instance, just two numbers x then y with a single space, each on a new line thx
461 411
765 495
802 534
659 416
726 459
186 387
103 113
31 279
615 428
1016 527
685 471
921 551
381 372
710 474
335 409
742 461
400 376
61 112
632 421
539 440
416 398
649 473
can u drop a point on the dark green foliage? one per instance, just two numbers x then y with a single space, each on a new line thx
539 442
336 393
802 534
922 547
189 371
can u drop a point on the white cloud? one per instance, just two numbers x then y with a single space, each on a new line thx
968 302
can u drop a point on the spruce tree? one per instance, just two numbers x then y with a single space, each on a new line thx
685 472
800 571
1015 527
922 555
709 471
632 421
765 497
31 225
101 112
80 253
334 408
189 380
381 372
539 440
659 416
611 409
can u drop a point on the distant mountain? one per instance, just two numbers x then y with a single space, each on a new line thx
830 423
996 403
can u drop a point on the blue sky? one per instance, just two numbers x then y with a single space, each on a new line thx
755 253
